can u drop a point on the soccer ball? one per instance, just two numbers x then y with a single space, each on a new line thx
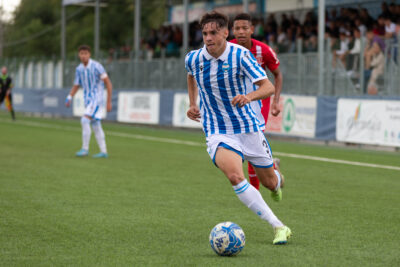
227 239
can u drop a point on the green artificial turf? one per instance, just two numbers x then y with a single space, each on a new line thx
154 203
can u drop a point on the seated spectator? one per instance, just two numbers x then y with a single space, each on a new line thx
360 26
398 26
283 41
311 45
374 61
379 27
342 51
258 29
390 27
355 50
272 43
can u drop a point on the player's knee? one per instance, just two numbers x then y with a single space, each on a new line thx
235 178
269 181
85 120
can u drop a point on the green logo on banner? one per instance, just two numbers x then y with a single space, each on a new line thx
289 115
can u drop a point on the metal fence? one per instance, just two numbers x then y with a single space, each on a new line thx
300 73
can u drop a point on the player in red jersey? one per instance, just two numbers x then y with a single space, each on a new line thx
266 57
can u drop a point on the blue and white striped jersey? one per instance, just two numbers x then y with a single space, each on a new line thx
90 79
219 80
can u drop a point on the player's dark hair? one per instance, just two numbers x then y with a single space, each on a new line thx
242 16
220 19
84 47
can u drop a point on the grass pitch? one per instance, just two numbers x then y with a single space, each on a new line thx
154 203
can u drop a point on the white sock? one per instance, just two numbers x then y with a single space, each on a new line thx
279 180
100 136
86 132
252 198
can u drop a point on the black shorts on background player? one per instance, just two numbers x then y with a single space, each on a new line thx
5 85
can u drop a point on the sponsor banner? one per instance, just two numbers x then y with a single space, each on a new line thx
297 117
181 106
78 104
18 98
50 101
368 122
139 107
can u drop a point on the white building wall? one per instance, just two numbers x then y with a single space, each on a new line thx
281 5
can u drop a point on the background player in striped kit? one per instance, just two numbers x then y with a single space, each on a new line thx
221 74
266 57
91 76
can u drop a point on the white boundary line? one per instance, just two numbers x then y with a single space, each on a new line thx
191 143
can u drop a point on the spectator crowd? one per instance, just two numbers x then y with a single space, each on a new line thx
344 28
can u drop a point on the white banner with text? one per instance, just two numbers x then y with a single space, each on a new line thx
374 122
139 107
181 106
297 116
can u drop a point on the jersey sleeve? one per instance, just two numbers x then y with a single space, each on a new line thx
77 80
188 63
251 68
101 71
270 58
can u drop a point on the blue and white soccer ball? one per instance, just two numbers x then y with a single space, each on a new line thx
227 239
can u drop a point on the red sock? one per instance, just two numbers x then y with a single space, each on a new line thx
253 177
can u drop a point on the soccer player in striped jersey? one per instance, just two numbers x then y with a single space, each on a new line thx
91 76
266 57
223 74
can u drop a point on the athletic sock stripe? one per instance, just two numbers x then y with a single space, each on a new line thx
242 189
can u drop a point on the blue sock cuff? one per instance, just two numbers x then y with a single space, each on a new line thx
241 187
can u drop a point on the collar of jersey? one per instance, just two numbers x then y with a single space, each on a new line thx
222 57
88 65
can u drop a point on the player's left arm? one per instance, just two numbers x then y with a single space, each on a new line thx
278 88
265 89
257 75
8 92
109 87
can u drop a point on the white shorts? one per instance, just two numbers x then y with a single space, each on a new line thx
253 147
94 110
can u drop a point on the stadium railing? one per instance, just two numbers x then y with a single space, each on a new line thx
299 69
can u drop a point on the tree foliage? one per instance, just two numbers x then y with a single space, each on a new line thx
35 30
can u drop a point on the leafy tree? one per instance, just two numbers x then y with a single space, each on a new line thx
35 30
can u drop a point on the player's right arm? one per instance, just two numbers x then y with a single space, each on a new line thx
278 88
74 89
193 112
